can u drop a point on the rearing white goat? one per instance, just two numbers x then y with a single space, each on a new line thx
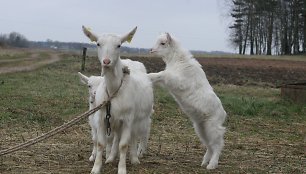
187 82
131 107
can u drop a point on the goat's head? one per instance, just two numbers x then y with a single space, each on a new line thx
92 84
163 45
108 45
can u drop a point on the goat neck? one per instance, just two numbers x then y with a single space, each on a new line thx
175 56
113 77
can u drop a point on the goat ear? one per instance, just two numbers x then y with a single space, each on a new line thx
128 37
169 38
83 78
93 37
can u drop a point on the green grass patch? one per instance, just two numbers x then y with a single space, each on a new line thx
259 102
44 96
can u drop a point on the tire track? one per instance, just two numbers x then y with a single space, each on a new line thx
53 58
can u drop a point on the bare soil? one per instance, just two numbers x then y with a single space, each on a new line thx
239 71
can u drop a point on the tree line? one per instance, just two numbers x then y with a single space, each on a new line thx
268 26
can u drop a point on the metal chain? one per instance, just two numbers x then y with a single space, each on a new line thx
107 117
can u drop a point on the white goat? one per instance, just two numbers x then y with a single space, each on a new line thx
187 83
93 82
132 106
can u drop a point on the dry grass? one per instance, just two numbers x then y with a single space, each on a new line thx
253 145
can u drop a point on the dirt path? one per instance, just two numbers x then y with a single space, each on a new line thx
34 56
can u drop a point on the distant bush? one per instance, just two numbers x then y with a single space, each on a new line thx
14 39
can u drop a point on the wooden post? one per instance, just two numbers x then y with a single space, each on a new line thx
83 58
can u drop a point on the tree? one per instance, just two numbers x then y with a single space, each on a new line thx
17 40
266 26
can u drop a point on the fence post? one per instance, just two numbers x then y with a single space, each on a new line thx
83 58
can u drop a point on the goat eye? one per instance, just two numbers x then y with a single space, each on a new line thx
89 86
162 43
118 46
98 44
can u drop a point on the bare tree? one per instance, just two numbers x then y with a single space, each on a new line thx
269 26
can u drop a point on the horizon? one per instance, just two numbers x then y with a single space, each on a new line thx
198 25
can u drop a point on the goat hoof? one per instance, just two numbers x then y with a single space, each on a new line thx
212 166
95 170
204 162
109 160
135 161
140 154
92 158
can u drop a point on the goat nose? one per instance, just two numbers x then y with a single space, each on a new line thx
106 61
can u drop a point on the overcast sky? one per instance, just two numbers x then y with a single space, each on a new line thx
197 24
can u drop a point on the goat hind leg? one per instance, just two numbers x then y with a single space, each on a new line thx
144 137
216 144
133 151
204 137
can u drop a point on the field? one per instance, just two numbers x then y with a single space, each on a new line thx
265 133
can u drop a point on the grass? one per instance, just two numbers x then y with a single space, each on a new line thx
35 94
264 132
13 56
259 102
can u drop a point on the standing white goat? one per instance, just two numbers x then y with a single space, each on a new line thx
93 82
187 83
132 106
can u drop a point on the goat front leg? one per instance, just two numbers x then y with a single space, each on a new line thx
114 148
156 78
109 143
123 147
101 140
94 141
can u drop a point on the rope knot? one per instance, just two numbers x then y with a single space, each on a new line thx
126 70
